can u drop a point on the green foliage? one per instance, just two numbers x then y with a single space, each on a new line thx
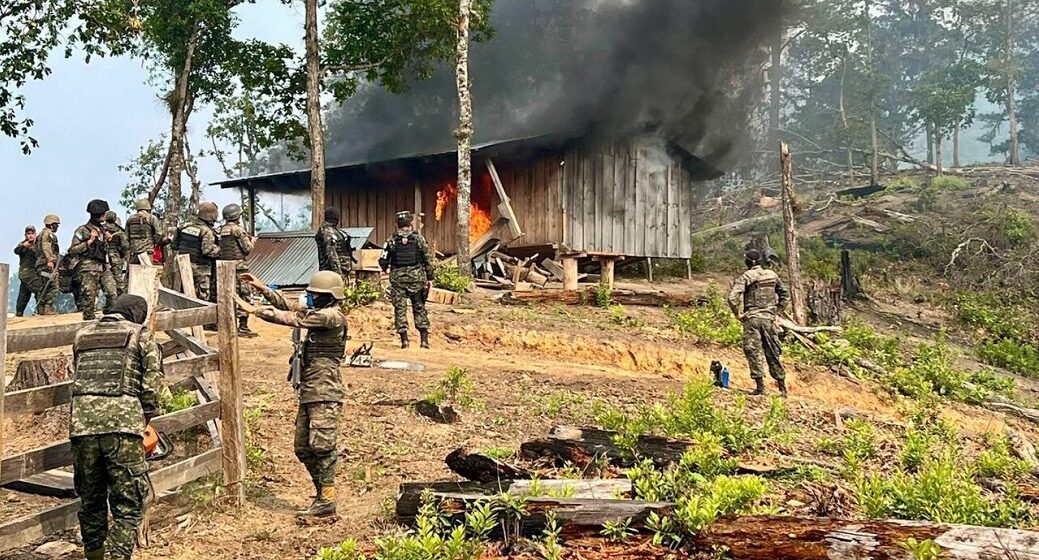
173 402
819 260
902 183
447 277
860 443
347 550
549 546
917 447
619 317
1017 226
499 453
989 312
949 183
360 294
997 461
454 388
603 295
1012 355
711 321
618 531
921 550
928 199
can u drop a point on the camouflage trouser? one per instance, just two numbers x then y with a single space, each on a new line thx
244 290
317 427
110 475
46 289
205 287
27 287
110 287
119 272
90 283
761 340
400 294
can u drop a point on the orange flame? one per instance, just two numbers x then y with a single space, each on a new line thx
479 218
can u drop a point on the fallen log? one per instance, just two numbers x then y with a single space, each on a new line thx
588 297
1023 448
1001 405
800 538
481 468
409 496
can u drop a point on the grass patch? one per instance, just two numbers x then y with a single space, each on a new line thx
711 321
946 183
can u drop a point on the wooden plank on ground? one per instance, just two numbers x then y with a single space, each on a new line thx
410 493
53 484
232 428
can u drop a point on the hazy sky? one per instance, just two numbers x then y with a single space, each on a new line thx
90 118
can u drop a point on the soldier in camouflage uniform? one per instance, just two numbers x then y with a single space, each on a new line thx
143 233
199 240
27 277
406 255
47 255
90 249
114 395
117 251
333 246
320 384
236 245
756 298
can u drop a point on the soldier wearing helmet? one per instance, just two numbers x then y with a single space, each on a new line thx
320 385
47 255
756 298
28 279
117 252
333 246
90 250
198 240
407 256
236 245
143 233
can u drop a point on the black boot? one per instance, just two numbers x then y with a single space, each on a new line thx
759 386
404 339
424 336
243 328
781 383
324 504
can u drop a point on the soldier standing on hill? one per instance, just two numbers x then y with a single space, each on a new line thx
315 373
90 248
143 233
47 255
118 248
27 277
761 295
235 245
406 255
333 246
115 394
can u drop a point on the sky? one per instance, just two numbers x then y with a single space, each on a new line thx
90 118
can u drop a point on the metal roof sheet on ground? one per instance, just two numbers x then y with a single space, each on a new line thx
289 258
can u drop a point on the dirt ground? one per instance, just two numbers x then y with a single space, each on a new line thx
533 368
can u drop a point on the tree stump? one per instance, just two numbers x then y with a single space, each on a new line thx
41 372
825 304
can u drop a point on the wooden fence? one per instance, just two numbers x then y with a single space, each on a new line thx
194 361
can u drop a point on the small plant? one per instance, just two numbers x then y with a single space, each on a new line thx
175 402
435 537
665 531
916 449
499 453
360 294
603 295
947 183
1016 226
861 442
618 531
454 388
510 509
347 550
619 317
447 277
549 546
998 462
921 550
1010 354
254 454
902 184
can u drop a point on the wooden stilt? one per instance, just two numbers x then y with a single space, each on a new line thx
649 270
607 273
689 269
232 437
569 273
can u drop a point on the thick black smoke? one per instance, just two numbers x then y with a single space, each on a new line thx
686 70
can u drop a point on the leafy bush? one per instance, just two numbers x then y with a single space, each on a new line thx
902 184
454 388
1010 354
1017 226
997 461
619 317
171 402
711 321
360 294
447 277
928 199
603 295
999 318
946 183
819 260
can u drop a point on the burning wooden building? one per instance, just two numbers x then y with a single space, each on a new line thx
577 196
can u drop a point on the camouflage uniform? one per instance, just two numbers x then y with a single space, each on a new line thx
28 279
118 248
90 268
143 233
115 393
332 246
46 287
199 240
761 294
321 385
408 258
236 245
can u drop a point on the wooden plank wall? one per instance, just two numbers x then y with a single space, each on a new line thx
628 199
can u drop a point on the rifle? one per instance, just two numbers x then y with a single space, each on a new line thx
296 361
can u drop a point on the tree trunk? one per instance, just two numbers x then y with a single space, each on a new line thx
793 259
314 125
1015 148
775 92
956 146
938 156
844 119
40 373
929 133
874 172
464 133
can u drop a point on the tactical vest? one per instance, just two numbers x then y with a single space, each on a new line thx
114 251
107 360
324 259
189 242
139 229
761 294
41 258
230 248
405 251
99 250
326 343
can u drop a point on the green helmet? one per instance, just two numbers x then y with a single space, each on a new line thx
51 219
327 282
110 216
404 218
142 204
232 212
207 211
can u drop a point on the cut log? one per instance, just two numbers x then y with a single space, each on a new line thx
798 538
588 297
536 278
570 273
410 495
1030 414
445 297
481 468
40 373
825 304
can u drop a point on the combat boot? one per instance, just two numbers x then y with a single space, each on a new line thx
424 335
404 339
243 328
98 554
759 386
781 384
324 504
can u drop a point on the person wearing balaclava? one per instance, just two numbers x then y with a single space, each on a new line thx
334 252
90 253
115 394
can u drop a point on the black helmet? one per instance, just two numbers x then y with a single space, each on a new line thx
97 207
332 214
404 218
232 212
752 257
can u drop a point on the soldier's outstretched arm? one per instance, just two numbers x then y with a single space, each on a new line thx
304 319
151 362
735 298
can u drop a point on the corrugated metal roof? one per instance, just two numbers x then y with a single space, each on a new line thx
290 258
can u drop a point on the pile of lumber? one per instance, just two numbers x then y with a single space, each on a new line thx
496 270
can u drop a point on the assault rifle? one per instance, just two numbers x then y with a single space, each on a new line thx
296 361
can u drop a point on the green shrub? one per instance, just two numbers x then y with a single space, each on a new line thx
1012 355
916 449
360 294
819 260
603 295
997 461
173 402
999 318
455 389
447 277
711 321
619 317
1016 226
946 183
928 199
902 184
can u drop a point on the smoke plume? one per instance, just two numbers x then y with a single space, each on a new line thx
687 71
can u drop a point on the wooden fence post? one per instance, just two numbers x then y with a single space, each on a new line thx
144 282
231 420
187 287
5 277
793 258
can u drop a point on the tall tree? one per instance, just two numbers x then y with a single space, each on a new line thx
315 129
944 99
464 133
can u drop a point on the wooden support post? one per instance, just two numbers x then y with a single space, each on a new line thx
187 286
252 210
649 270
5 277
793 259
689 269
232 435
144 282
607 273
569 273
